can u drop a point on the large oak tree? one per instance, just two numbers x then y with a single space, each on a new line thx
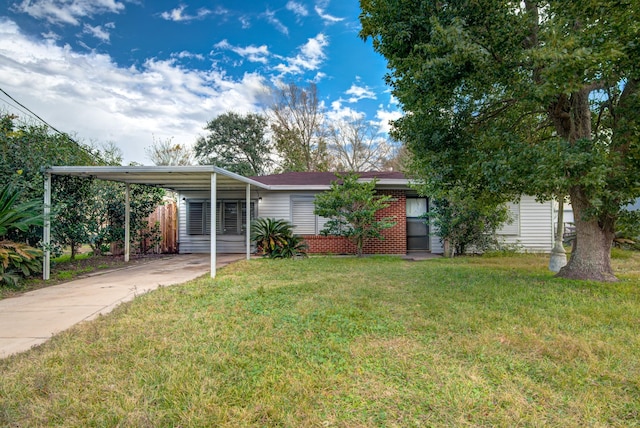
511 97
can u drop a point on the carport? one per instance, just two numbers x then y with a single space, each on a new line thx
177 178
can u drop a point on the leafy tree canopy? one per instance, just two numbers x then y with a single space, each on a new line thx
510 97
236 143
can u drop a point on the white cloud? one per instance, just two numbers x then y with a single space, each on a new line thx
187 55
66 11
338 113
309 59
252 53
384 116
245 22
99 32
358 93
89 94
271 19
178 15
326 17
297 8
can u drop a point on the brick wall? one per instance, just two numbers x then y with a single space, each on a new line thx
395 241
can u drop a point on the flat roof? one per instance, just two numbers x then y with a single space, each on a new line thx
178 178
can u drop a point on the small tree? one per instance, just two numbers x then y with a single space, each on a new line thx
466 222
351 207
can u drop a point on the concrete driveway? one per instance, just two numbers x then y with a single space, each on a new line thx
32 318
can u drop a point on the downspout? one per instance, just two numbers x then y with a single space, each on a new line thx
46 233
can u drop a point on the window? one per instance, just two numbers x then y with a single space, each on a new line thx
512 228
231 217
305 222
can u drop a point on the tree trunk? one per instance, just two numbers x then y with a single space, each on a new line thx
591 252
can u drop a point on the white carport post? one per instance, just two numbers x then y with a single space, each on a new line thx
46 234
127 222
248 221
214 202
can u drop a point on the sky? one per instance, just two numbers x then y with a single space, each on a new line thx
132 72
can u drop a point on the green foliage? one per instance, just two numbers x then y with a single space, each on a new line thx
466 222
17 258
506 98
351 207
15 215
628 230
236 143
276 240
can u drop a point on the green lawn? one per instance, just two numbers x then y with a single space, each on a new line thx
347 342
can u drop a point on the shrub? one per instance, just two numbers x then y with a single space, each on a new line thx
17 259
275 238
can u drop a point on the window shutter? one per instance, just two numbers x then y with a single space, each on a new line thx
302 216
195 217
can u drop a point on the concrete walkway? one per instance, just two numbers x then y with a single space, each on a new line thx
32 318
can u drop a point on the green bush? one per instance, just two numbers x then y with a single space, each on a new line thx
275 239
17 259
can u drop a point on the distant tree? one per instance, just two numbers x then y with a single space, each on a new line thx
512 97
399 160
351 207
356 145
299 129
166 153
236 143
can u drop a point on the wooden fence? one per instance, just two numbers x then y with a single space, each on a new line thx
166 216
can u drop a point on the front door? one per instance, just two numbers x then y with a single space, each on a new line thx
417 227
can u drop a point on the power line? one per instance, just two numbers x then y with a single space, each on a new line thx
64 134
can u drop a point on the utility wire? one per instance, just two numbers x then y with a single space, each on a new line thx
39 118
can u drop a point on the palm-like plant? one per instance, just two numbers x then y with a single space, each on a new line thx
15 215
275 238
17 259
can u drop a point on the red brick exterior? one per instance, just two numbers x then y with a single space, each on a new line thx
395 241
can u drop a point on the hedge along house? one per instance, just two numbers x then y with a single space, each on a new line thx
206 181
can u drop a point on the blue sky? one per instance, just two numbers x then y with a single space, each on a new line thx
129 71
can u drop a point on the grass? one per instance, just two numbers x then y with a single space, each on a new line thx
347 342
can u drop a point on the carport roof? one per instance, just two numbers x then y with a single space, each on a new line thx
178 178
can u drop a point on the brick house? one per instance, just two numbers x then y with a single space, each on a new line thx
290 197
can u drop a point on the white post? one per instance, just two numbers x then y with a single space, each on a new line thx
214 179
46 234
248 220
127 222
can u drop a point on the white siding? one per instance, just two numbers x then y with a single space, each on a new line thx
535 227
278 205
275 205
202 243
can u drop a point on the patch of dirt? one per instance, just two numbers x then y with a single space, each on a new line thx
68 271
